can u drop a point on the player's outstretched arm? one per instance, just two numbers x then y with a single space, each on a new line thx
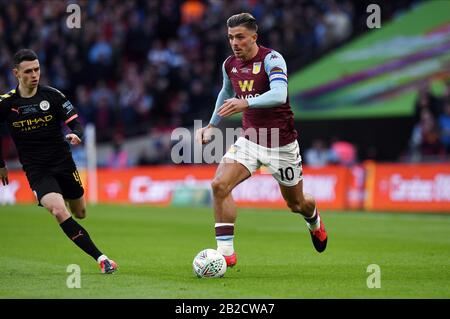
225 93
203 135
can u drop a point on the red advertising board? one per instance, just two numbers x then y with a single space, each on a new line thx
387 187
17 191
412 188
155 185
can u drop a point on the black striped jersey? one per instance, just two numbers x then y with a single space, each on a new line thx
35 125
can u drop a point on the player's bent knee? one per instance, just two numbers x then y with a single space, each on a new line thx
58 211
80 213
219 188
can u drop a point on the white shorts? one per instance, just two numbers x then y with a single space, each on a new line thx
284 163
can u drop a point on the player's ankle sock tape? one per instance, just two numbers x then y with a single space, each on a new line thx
80 237
224 230
312 220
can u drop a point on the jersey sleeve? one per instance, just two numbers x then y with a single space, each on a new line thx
276 70
275 67
66 110
3 107
226 92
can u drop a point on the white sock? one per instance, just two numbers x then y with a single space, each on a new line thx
316 224
225 240
225 247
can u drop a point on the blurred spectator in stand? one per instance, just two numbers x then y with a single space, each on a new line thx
338 23
446 95
173 45
86 110
425 101
318 155
144 158
444 124
100 57
79 156
343 152
425 140
118 157
104 118
192 11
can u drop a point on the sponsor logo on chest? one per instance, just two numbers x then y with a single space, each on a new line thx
246 85
247 80
32 123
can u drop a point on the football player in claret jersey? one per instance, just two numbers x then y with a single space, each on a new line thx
255 82
33 114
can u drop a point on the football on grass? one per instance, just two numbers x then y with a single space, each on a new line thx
209 263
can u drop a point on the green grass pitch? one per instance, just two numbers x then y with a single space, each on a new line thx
154 248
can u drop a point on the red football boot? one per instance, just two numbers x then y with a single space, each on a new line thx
319 237
231 260
108 266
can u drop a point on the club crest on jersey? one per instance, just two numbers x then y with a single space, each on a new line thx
256 67
44 105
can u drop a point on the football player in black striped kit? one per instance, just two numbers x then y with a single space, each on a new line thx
33 114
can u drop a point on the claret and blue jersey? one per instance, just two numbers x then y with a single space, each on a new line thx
263 82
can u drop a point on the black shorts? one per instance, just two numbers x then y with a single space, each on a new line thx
64 180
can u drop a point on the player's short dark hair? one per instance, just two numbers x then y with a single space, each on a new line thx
243 19
24 55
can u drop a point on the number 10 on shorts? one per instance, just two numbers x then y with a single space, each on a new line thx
287 174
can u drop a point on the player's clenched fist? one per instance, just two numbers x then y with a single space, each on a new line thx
4 175
73 139
203 135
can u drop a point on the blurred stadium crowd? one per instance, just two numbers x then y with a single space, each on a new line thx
146 67
430 138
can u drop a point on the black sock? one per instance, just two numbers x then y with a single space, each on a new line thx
80 237
312 220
